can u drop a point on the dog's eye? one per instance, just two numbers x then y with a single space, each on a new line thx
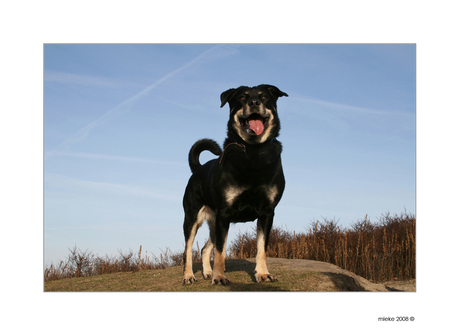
264 98
243 98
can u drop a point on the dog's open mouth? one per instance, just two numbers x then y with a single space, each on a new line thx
254 124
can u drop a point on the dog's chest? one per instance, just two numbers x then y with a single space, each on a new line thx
240 196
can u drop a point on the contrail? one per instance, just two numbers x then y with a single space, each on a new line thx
214 52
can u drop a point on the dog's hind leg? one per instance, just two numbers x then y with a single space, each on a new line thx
189 277
191 225
264 225
207 249
206 257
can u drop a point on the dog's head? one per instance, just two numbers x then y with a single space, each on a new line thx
253 113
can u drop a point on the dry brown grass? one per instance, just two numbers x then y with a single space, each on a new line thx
83 263
380 251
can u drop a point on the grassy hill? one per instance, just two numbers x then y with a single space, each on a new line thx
293 275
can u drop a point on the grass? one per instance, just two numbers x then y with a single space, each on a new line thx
170 280
83 263
380 251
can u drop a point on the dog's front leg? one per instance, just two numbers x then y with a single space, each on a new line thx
221 229
264 226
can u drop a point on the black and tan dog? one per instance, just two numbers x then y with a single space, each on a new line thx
245 183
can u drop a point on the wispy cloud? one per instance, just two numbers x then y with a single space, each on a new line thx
212 53
347 118
117 158
77 79
338 107
111 189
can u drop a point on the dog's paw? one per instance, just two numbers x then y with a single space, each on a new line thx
207 275
265 277
220 280
188 280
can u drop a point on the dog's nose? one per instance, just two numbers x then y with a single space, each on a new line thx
254 102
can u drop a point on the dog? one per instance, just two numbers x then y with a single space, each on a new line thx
245 183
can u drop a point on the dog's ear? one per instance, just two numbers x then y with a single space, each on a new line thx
275 91
225 96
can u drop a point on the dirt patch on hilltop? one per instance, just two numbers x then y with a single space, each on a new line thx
334 278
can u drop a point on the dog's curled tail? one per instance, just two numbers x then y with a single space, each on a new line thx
197 148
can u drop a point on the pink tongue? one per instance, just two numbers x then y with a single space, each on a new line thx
257 126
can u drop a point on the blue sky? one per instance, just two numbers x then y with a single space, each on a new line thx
119 121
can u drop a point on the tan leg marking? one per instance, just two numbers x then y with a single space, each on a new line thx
204 214
207 249
189 277
261 271
218 277
206 257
